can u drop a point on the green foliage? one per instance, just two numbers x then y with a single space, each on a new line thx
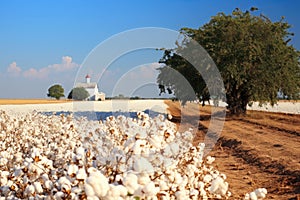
56 91
252 53
78 93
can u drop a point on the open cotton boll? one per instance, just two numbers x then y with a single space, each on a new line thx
80 152
72 169
218 186
48 184
63 181
81 174
38 187
210 160
59 195
181 195
253 196
130 181
150 190
163 186
143 179
122 190
29 190
142 165
116 192
247 196
194 193
138 146
99 183
207 178
89 191
261 192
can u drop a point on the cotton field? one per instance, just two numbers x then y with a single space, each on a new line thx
65 157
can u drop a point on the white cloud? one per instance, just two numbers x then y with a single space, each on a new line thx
65 65
13 69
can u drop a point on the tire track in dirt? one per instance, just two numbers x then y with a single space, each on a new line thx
257 154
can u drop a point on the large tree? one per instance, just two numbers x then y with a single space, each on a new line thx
253 54
78 93
56 91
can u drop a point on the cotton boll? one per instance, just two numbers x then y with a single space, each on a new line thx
253 196
194 193
143 179
48 184
207 178
18 173
175 148
3 161
81 174
155 141
89 190
181 195
163 186
123 190
29 190
138 146
150 190
80 152
66 188
167 151
215 174
247 196
261 192
210 160
130 181
6 190
72 169
142 165
59 196
167 162
177 178
38 187
63 181
99 183
218 187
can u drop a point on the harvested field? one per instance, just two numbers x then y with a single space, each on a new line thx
30 101
260 149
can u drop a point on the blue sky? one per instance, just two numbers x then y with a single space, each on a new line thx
45 42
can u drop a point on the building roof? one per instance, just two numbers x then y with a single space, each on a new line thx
86 85
87 76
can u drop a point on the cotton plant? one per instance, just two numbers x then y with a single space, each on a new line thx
66 157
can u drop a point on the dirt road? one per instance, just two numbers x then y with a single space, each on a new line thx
257 150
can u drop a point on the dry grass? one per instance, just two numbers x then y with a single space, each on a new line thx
30 101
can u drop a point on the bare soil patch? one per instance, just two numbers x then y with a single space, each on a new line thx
260 149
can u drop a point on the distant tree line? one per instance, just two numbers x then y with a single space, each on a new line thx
57 91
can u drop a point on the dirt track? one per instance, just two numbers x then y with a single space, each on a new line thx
257 150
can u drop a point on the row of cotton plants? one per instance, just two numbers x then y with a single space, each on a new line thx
62 157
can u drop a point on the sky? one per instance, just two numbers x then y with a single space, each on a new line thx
51 42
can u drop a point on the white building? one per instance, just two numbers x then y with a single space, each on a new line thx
92 89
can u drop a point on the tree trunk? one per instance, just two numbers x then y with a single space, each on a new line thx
237 102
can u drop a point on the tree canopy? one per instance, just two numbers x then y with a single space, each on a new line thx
56 91
78 93
252 53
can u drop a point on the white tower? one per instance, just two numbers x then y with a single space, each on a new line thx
88 78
